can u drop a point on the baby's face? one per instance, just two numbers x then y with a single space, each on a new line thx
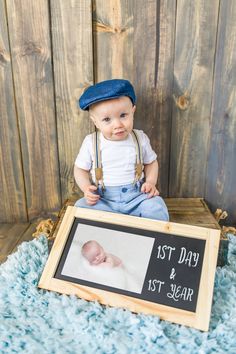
114 118
96 254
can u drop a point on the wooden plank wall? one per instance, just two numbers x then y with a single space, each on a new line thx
31 57
180 56
71 25
221 169
12 191
195 40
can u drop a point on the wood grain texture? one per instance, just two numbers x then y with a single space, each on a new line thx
113 39
221 169
191 211
26 235
184 76
195 40
10 235
32 71
154 30
73 71
13 200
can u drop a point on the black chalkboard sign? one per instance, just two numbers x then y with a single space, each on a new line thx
140 264
173 271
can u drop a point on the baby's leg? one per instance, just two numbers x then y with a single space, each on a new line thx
100 205
152 208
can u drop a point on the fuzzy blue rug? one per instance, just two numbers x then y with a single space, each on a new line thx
38 321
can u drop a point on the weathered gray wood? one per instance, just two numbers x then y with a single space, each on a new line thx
154 30
134 40
10 235
12 200
28 23
196 28
191 211
113 39
26 235
221 171
73 71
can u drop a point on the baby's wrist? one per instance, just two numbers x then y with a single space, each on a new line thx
153 183
86 188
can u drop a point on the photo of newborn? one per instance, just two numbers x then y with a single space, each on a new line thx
96 255
108 257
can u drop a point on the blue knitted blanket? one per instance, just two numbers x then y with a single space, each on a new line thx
39 321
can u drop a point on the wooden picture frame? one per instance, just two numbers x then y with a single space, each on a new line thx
165 268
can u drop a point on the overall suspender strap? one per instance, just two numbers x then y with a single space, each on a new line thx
97 157
139 156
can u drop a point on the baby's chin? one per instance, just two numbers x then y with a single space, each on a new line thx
119 137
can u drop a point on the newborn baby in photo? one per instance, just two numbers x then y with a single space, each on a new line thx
96 255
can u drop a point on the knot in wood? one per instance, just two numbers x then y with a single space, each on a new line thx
182 102
31 48
4 56
118 30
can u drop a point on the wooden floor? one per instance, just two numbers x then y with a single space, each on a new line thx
11 235
192 211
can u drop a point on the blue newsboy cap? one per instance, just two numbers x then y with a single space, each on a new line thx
106 90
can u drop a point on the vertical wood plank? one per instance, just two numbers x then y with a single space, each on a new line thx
32 71
221 169
73 71
154 29
12 201
196 27
113 39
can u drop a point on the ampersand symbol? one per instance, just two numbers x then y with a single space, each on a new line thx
172 273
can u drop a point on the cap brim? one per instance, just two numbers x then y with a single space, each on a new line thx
86 108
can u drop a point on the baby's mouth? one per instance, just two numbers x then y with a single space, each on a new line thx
120 133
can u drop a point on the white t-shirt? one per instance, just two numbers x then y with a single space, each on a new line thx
118 158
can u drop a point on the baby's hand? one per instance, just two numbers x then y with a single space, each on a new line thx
90 196
149 188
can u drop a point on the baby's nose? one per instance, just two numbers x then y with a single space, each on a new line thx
117 123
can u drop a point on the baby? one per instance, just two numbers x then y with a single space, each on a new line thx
96 255
120 159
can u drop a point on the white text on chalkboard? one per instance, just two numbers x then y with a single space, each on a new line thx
188 257
155 285
180 293
165 251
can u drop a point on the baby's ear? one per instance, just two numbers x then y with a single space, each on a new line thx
134 108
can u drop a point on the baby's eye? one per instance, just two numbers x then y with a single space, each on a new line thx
123 115
106 120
